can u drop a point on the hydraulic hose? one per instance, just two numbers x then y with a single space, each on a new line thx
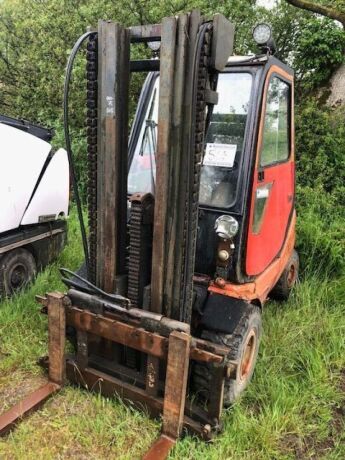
90 287
69 70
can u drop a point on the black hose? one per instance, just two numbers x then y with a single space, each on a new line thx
69 69
91 287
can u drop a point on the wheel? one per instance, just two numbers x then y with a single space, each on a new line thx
17 269
244 347
287 280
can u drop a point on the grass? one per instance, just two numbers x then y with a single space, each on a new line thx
294 407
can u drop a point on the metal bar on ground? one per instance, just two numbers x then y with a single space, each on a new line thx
32 402
160 449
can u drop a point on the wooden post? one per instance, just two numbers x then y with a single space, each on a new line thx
57 337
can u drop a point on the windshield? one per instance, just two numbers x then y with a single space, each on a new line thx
224 143
224 140
142 173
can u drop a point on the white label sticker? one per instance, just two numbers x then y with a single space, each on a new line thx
110 105
222 155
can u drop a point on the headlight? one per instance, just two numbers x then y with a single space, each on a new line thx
155 46
262 33
226 227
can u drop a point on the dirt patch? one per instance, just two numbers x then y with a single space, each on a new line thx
338 422
309 447
12 390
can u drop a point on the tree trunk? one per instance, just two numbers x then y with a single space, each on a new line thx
319 9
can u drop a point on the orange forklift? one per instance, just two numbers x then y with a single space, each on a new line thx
191 223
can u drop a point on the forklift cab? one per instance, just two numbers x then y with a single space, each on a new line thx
247 169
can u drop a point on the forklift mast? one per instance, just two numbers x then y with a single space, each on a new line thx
192 53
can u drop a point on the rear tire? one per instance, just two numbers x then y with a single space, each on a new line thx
287 280
244 347
17 269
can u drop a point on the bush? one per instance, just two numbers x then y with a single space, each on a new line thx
320 146
320 232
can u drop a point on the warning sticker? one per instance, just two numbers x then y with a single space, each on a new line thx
222 155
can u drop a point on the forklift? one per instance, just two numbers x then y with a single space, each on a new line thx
191 224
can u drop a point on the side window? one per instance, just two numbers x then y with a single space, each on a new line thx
276 133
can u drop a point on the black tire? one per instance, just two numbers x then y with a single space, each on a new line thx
247 332
17 269
287 280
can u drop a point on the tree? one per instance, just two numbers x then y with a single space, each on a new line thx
333 10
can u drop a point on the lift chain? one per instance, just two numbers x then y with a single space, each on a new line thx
140 248
91 127
192 199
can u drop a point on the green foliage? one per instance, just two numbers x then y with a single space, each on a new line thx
320 232
320 146
318 52
37 37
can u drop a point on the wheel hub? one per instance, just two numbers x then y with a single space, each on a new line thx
17 277
248 354
291 275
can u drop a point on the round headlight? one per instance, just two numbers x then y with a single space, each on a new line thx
154 46
262 33
226 227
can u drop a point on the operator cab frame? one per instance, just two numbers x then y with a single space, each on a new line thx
262 191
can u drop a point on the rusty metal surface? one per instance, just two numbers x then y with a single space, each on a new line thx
145 32
117 331
149 320
152 375
167 69
32 402
56 336
137 338
175 210
160 449
186 157
215 403
113 68
176 384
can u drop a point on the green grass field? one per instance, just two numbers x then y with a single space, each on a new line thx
293 409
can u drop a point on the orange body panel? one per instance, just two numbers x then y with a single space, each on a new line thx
263 283
263 247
